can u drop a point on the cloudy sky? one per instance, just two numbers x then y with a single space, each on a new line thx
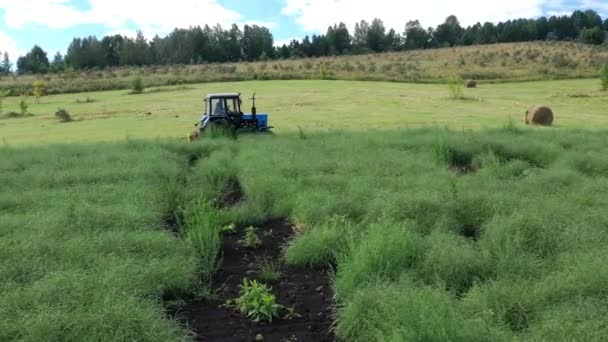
53 23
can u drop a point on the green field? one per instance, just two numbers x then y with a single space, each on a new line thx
484 230
311 105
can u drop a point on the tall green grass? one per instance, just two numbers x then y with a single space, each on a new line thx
85 255
513 249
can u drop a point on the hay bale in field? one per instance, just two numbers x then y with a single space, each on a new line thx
470 84
539 115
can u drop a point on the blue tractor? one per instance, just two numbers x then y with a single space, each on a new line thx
224 111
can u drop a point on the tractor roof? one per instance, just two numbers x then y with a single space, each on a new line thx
223 95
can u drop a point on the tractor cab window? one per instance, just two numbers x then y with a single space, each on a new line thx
218 107
232 106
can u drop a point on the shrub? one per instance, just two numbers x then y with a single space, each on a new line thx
38 86
23 104
323 72
63 115
455 87
137 85
604 76
593 36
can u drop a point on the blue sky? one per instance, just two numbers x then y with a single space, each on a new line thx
53 23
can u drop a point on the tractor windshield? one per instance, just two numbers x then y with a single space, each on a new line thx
218 107
224 106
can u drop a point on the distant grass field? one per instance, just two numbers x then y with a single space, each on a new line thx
309 105
434 234
494 63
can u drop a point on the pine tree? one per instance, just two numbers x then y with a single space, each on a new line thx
6 65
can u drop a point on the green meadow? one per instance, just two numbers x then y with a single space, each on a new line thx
441 219
309 105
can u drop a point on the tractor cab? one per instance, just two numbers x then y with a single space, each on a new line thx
224 109
223 105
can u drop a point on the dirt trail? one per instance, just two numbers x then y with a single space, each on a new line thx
307 290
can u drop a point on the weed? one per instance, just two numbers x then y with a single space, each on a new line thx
291 313
250 238
256 302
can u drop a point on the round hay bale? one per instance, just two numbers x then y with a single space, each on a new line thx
539 115
470 84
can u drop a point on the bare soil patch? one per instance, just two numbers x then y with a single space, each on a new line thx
308 291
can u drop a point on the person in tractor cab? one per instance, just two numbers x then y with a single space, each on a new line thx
219 108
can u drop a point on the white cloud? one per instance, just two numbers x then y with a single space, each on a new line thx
156 17
8 44
51 13
317 15
152 17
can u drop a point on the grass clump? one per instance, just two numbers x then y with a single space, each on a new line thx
202 228
320 245
137 85
268 271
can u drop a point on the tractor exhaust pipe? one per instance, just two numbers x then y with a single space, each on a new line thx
253 109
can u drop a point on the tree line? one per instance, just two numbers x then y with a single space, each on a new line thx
197 44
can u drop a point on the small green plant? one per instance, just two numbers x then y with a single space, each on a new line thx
137 85
268 271
229 229
38 91
251 238
455 87
24 104
291 313
604 77
63 115
256 302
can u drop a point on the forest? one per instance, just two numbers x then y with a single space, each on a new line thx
198 45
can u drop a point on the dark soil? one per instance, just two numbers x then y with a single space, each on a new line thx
461 168
307 290
232 194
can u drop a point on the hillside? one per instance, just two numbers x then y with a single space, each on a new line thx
492 63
